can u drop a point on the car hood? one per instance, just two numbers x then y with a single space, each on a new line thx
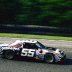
51 48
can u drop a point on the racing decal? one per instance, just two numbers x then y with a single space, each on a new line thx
28 52
39 55
57 58
6 48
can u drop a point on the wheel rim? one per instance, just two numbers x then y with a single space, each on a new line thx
49 59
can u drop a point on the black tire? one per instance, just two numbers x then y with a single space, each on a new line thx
49 58
9 54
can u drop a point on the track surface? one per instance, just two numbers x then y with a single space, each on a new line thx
34 66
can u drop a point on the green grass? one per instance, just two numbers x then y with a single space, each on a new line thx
12 35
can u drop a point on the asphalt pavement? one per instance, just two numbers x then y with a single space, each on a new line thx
37 66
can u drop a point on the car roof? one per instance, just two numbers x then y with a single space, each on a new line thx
29 41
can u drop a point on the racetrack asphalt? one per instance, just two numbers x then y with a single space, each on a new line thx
36 66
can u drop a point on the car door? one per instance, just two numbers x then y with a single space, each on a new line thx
29 50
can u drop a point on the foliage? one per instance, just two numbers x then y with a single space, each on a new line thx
37 12
8 10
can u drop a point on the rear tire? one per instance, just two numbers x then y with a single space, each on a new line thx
49 58
9 54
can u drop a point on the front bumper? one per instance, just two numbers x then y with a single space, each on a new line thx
63 59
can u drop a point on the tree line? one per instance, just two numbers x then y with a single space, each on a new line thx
36 12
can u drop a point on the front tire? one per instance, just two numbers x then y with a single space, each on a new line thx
49 58
9 54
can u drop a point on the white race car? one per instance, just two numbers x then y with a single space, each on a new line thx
32 49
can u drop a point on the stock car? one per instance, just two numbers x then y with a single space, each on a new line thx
32 49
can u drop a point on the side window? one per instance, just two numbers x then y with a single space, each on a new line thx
26 45
30 46
33 46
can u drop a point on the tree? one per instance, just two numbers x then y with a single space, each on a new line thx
30 9
8 10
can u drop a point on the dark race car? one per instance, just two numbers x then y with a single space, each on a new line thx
32 49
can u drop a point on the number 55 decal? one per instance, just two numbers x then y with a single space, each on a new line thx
27 52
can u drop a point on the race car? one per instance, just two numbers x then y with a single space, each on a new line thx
32 49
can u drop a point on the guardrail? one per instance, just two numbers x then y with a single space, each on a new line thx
34 29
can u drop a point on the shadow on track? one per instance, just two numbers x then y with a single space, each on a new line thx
67 61
28 60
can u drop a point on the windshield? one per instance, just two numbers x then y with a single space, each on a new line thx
39 45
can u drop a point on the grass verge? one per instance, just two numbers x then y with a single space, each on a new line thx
13 35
